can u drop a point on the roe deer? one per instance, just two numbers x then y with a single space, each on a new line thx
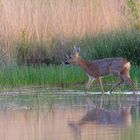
96 69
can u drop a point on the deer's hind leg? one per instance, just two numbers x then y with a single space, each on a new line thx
128 81
118 83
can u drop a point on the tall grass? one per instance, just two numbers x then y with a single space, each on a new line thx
44 21
54 76
41 75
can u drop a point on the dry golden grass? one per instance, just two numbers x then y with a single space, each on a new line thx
46 19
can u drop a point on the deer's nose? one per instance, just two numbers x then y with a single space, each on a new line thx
66 63
66 58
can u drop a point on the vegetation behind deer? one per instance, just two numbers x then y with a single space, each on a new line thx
30 27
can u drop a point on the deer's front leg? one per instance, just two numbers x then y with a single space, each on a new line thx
89 83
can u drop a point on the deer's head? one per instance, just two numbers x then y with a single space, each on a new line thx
73 57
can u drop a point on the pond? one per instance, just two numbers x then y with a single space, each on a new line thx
65 116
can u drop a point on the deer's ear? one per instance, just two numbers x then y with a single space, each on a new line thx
78 50
74 49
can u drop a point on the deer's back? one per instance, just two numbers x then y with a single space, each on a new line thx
107 66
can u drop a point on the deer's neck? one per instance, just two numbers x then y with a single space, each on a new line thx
84 64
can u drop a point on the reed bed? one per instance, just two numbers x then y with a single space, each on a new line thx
45 22
51 18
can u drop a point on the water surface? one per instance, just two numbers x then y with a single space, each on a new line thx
60 117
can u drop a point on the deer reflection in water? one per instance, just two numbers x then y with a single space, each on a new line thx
101 116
